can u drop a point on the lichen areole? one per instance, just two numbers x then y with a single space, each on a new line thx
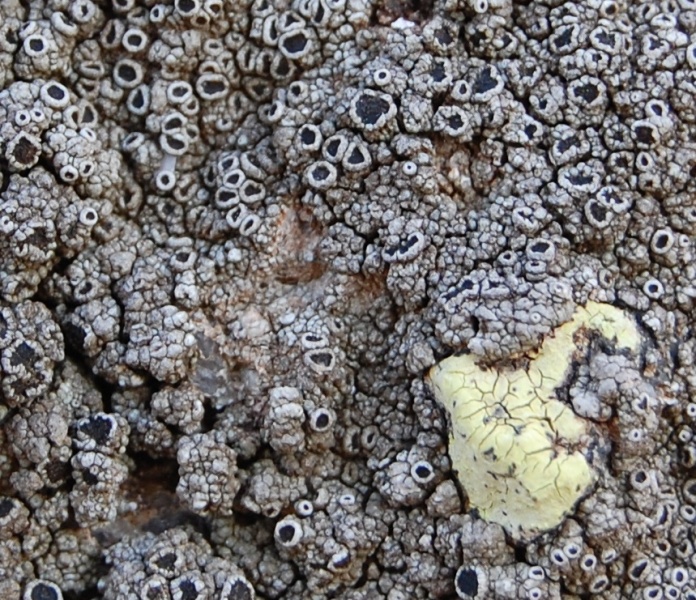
518 450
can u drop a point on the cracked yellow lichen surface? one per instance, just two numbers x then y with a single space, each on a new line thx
516 448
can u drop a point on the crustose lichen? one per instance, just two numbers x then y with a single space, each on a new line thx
521 454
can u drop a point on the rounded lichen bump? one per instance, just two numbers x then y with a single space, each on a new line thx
521 454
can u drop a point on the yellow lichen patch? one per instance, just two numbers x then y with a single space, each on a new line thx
516 448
